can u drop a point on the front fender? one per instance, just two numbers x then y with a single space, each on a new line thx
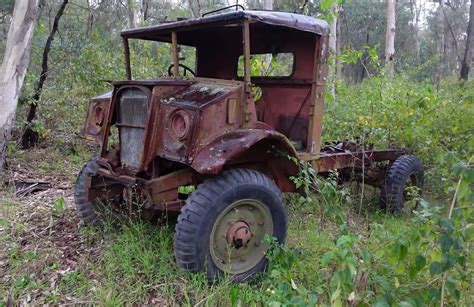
212 158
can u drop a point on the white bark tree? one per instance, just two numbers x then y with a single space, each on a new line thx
14 65
268 5
132 13
469 52
333 49
390 37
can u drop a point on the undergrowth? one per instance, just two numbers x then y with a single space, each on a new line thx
339 251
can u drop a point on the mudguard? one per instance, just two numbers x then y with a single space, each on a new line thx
212 158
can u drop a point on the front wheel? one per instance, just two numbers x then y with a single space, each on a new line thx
101 201
222 226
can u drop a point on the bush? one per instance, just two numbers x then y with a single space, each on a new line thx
405 114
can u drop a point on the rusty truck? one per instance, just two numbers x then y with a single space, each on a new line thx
229 130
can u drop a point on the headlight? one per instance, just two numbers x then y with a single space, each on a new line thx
179 124
95 120
99 115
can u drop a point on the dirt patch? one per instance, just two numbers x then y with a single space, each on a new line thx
42 242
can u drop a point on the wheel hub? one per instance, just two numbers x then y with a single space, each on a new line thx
238 234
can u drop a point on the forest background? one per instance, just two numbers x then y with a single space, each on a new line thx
341 249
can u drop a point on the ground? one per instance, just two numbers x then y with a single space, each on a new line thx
48 256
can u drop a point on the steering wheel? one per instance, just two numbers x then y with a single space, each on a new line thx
186 68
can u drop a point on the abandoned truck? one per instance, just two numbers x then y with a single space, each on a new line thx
227 129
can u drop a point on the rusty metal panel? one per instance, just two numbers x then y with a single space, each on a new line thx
165 188
353 159
211 158
317 96
192 116
97 116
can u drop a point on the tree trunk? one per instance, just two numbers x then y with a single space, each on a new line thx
440 48
390 38
339 45
132 15
333 50
195 10
30 137
144 7
469 52
416 10
90 19
14 65
268 5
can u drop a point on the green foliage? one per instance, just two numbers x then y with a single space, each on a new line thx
414 265
58 207
406 114
186 189
327 260
281 285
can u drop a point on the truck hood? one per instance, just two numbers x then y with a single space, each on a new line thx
199 94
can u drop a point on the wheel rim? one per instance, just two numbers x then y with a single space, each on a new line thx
409 194
236 243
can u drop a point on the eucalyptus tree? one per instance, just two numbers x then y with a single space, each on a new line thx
30 136
390 36
469 50
14 65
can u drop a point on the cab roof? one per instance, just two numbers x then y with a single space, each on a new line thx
231 20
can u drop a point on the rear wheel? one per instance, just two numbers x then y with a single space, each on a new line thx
222 226
403 183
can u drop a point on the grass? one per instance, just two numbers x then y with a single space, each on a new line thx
136 264
48 257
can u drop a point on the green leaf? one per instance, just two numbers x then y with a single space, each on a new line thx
234 296
451 286
403 252
326 4
326 259
418 264
345 241
400 251
446 242
446 224
420 261
436 268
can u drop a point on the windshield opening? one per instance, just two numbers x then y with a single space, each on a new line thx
152 59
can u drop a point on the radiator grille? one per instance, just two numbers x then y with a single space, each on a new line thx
132 112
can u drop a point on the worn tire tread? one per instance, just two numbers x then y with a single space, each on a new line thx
395 179
200 202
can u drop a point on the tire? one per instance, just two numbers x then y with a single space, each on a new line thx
217 205
85 208
96 213
405 170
